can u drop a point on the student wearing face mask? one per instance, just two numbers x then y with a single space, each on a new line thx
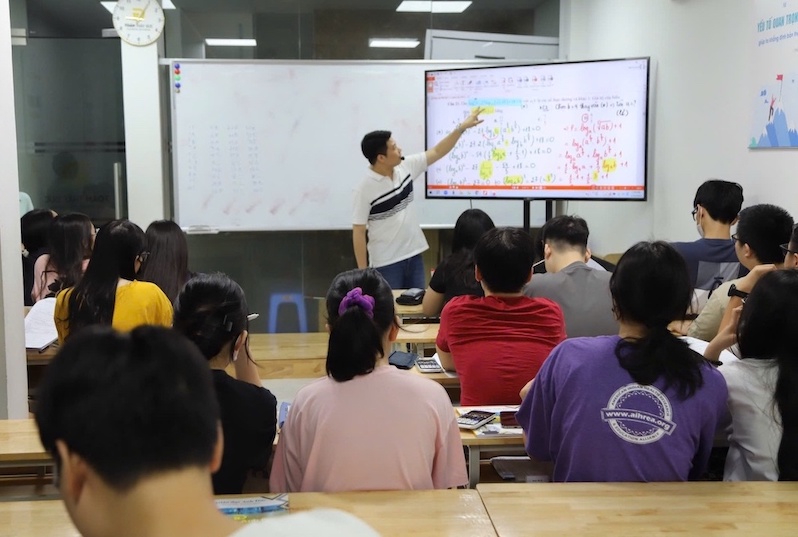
711 260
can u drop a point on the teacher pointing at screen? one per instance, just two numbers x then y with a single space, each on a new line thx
383 206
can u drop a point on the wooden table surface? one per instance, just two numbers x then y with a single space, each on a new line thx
405 310
633 509
400 513
418 334
20 445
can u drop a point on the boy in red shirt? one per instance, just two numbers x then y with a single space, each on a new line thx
498 342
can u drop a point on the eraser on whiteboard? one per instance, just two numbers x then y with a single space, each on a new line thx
201 229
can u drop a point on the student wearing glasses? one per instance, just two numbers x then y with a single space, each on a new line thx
108 293
712 260
761 231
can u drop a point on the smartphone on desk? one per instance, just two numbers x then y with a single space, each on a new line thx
402 360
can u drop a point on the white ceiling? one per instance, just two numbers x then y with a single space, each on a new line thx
86 18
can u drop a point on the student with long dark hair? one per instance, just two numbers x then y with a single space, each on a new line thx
70 243
167 264
763 385
211 311
108 293
367 425
454 276
639 406
35 227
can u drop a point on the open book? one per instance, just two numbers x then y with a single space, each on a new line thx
40 330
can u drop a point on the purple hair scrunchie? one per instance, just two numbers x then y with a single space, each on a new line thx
355 297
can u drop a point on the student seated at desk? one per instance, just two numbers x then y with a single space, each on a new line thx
70 242
167 264
499 341
35 227
367 425
454 276
108 293
761 231
582 292
132 423
639 406
712 260
212 312
763 434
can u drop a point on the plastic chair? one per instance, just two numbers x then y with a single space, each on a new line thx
277 299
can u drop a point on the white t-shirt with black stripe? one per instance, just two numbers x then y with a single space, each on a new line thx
385 206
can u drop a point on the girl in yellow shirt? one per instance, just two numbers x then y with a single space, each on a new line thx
109 293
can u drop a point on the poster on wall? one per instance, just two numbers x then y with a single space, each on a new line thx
774 120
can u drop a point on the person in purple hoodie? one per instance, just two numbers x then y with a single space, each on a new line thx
639 406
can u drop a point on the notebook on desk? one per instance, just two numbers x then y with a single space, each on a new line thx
40 330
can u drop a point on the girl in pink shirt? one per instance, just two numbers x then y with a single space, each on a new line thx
367 425
70 245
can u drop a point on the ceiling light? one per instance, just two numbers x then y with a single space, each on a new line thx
433 6
166 4
379 42
216 42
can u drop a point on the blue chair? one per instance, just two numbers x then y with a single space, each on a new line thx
278 299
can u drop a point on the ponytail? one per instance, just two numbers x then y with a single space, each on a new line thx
659 354
359 313
651 287
354 345
211 311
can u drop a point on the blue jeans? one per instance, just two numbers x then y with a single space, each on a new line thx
405 274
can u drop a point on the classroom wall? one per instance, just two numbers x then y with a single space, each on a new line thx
547 19
13 370
701 52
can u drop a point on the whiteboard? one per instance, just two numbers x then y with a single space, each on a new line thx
275 145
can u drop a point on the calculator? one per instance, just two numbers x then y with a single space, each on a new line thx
475 419
428 365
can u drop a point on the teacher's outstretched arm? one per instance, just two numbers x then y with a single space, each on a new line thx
443 147
359 245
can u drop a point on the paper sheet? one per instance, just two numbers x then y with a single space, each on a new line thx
40 329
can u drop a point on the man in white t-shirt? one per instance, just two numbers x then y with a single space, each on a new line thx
132 423
383 206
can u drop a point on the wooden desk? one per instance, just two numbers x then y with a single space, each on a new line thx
288 355
281 356
20 445
418 334
621 509
495 444
36 358
400 513
447 380
401 310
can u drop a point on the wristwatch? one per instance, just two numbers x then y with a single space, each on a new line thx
733 291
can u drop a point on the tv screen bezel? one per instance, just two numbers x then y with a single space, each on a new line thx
543 194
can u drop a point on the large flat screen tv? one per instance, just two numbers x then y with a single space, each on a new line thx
573 130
